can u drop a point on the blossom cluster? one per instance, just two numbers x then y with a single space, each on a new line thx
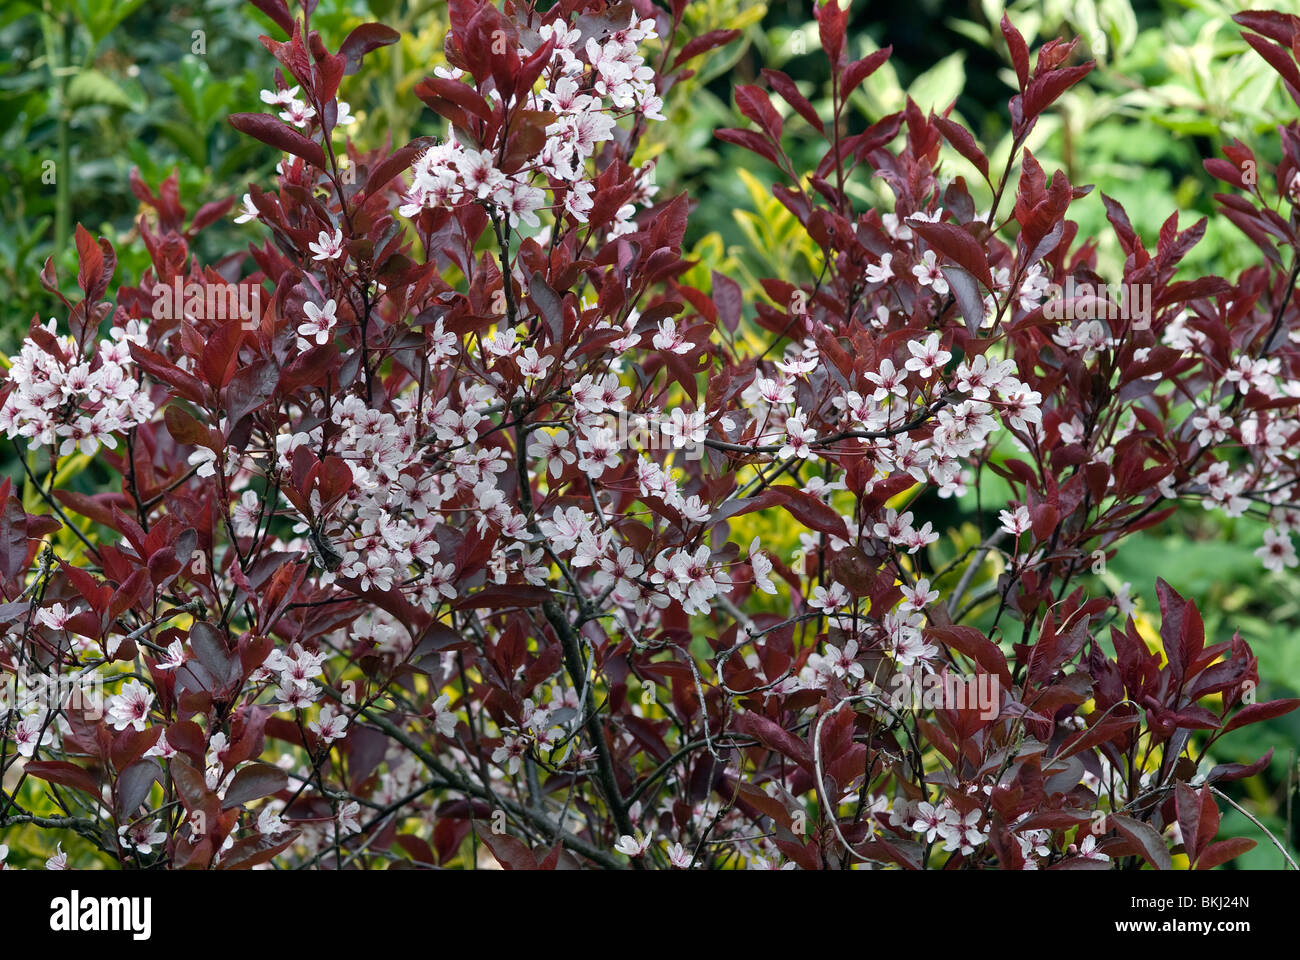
72 400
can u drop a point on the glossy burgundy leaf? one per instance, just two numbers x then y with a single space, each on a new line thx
278 134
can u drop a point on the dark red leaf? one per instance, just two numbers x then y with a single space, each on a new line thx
957 245
276 133
702 44
753 102
1150 844
1019 51
363 39
962 142
1258 712
1044 90
253 782
783 85
1223 851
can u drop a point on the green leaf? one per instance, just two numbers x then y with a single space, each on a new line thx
91 86
186 140
940 85
102 16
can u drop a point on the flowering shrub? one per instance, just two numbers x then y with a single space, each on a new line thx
435 539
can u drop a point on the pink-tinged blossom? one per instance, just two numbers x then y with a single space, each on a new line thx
130 707
142 836
679 856
327 246
670 338
280 97
298 113
553 448
56 616
32 733
926 357
798 438
173 657
1277 553
880 272
888 381
929 274
319 324
247 211
1088 849
478 173
1015 522
829 598
330 726
918 596
632 846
